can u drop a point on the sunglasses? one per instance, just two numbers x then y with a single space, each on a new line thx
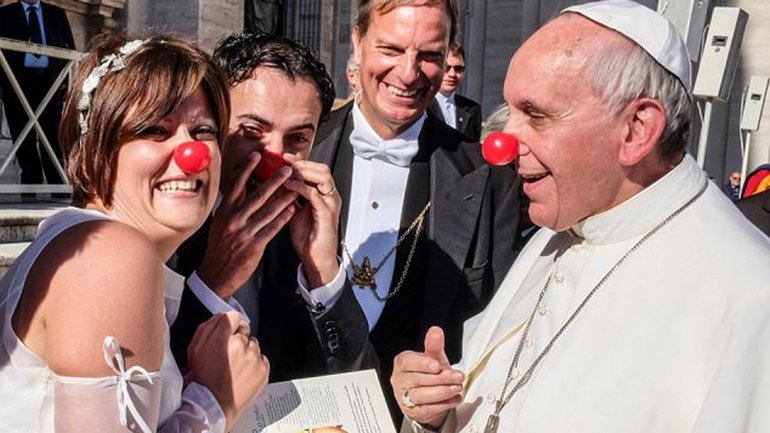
458 68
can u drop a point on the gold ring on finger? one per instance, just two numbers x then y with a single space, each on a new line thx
328 194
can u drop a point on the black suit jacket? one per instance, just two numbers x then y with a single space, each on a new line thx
298 342
13 25
468 116
757 209
466 248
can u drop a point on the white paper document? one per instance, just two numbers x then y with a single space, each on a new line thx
338 403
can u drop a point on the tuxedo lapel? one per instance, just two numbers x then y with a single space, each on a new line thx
342 171
49 26
435 109
336 152
457 190
21 16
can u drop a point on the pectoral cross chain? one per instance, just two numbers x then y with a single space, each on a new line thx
492 423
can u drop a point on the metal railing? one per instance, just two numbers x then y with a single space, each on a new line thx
72 58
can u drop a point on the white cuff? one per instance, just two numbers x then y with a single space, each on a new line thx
211 300
325 295
199 403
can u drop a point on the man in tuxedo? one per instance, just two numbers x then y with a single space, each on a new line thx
459 112
427 228
269 249
45 24
757 209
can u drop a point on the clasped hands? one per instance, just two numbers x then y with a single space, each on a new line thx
251 215
425 384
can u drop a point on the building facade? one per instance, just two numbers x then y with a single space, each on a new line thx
490 30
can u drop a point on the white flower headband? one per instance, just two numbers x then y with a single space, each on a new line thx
109 63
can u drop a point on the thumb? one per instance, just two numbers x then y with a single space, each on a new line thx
434 345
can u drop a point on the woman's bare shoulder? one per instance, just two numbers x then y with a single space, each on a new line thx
101 278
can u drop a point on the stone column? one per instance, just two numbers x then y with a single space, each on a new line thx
474 38
327 42
205 21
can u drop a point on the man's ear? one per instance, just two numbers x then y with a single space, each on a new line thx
355 38
645 121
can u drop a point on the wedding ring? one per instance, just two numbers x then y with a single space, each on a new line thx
407 400
328 194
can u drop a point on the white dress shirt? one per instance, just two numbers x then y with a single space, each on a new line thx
448 108
671 343
374 215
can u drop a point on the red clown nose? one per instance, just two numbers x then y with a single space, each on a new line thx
192 157
500 148
268 165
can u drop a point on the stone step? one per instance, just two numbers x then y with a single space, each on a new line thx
18 226
8 254
18 221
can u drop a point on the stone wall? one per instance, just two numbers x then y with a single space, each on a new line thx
505 24
204 21
491 30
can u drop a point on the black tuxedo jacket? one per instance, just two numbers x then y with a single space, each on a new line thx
298 342
468 116
466 248
757 209
13 25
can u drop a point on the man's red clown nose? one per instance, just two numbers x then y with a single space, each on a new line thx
192 157
500 148
268 165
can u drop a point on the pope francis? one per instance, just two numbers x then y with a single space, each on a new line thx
643 304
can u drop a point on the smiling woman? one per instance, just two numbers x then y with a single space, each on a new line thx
93 286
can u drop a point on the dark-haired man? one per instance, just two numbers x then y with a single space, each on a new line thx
246 257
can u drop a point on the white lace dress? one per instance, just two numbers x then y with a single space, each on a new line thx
127 400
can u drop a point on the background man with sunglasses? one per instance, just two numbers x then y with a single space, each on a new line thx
459 112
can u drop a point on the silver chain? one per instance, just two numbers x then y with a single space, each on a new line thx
504 399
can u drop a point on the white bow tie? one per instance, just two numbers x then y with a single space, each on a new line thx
397 151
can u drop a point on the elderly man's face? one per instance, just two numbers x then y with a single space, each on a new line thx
569 143
401 64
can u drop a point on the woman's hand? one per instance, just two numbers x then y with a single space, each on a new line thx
223 357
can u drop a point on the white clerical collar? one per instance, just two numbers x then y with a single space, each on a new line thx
642 212
405 144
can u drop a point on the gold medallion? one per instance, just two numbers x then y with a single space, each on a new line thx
363 275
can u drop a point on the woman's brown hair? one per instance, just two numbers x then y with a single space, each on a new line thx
157 77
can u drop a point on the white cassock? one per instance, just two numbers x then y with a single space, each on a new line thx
676 340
